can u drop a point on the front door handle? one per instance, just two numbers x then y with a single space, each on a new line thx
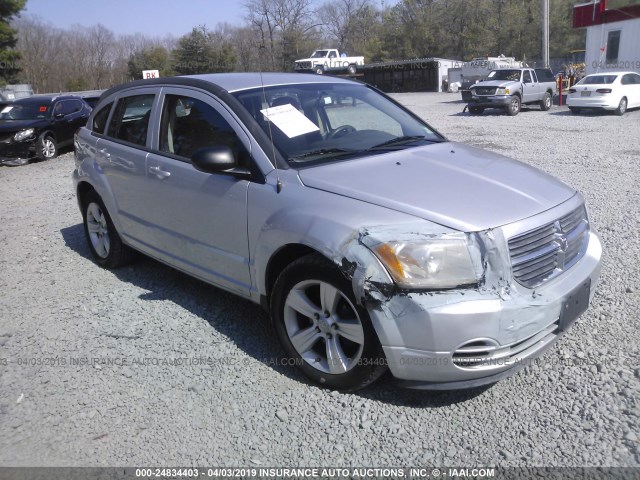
105 153
158 172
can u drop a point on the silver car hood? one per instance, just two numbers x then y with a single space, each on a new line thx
453 184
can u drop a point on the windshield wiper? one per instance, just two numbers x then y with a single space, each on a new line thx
398 141
334 152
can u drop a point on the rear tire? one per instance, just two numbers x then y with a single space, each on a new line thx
104 242
622 107
322 329
574 110
545 103
514 106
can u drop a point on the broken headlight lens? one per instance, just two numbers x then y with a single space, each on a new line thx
441 262
23 135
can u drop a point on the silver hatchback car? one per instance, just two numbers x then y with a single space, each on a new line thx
373 241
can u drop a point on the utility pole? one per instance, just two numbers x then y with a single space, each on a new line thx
545 32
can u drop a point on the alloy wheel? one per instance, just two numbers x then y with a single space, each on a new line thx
98 230
324 327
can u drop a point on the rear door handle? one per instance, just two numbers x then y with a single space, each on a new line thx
158 172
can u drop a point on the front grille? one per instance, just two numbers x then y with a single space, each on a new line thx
487 354
485 90
545 252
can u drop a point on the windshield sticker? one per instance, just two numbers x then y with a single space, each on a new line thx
7 109
287 118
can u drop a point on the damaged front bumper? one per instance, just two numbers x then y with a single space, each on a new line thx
468 337
17 153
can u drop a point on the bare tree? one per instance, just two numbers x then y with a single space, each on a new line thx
341 18
284 28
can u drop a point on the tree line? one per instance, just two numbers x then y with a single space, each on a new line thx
274 33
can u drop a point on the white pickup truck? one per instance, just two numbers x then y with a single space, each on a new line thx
328 60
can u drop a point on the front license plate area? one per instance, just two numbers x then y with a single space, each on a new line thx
575 305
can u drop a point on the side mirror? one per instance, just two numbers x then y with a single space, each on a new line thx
214 159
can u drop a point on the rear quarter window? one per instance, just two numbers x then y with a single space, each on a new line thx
100 119
544 75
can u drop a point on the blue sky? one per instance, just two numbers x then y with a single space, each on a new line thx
151 17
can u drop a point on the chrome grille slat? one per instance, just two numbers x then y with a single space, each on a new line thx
532 241
541 270
535 255
485 90
546 251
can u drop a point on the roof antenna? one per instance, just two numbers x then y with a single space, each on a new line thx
273 148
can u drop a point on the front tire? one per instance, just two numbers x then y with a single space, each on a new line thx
46 148
351 69
321 327
574 110
622 107
476 110
319 70
105 244
514 106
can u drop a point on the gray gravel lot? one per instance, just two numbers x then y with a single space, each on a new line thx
579 406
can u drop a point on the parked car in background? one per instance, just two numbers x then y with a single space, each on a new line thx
328 60
376 242
37 126
89 96
614 91
509 89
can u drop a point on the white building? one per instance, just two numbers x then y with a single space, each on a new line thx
613 36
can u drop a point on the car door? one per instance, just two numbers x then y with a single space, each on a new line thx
531 89
76 118
61 122
630 84
121 155
199 219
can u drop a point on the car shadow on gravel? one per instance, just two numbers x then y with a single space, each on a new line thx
386 391
494 112
244 323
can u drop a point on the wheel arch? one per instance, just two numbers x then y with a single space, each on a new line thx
48 133
280 259
81 191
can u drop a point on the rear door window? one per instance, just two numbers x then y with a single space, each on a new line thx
130 121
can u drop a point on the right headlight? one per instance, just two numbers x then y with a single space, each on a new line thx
430 263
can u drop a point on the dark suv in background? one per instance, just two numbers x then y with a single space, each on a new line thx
36 127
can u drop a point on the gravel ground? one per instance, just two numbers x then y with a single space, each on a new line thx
577 407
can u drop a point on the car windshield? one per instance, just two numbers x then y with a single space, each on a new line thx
318 123
598 79
319 54
513 75
24 111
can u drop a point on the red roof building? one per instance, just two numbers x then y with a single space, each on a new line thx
613 36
